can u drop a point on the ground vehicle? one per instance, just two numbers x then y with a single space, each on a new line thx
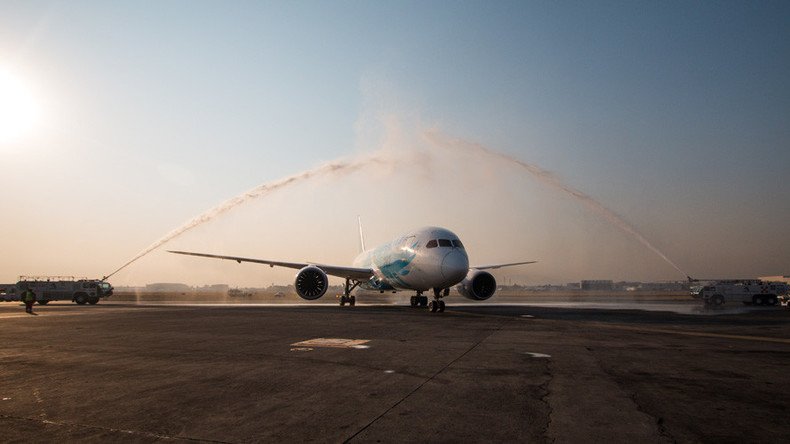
747 291
58 288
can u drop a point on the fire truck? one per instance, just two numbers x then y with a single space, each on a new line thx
747 291
58 288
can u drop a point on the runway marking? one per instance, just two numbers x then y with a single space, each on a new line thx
696 333
333 343
537 355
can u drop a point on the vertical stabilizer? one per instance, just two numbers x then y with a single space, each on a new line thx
361 235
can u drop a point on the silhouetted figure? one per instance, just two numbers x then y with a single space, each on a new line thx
29 298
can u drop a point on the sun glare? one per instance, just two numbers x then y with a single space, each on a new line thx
18 108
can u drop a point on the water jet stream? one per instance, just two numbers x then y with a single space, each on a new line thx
332 169
342 168
549 179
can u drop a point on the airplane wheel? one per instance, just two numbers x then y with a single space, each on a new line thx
352 300
423 301
433 306
413 301
342 301
441 306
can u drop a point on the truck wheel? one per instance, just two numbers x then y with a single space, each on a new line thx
81 298
43 302
93 301
718 299
758 300
772 300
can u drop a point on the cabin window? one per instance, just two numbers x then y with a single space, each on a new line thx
445 243
457 243
432 243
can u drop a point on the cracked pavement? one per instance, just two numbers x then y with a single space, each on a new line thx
137 373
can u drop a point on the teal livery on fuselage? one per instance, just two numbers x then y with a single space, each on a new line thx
426 258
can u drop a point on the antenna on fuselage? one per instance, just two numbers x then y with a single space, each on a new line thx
361 235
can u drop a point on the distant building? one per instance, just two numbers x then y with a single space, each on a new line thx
597 285
166 286
666 286
216 288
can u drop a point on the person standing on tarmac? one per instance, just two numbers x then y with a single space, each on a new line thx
29 297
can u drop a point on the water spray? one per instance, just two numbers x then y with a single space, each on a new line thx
549 179
345 167
331 169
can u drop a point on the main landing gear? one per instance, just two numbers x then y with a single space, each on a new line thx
347 298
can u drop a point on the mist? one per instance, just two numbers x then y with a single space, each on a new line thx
408 178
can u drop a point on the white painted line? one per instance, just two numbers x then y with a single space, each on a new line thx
527 316
301 349
333 343
537 355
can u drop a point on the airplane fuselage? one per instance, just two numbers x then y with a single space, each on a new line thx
426 258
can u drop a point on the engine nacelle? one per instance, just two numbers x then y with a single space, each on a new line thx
477 285
311 283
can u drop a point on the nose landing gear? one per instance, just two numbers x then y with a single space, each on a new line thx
419 300
437 304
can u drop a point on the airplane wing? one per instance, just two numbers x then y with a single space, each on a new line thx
339 271
493 267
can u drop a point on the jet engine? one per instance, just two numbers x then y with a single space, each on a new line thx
477 285
311 283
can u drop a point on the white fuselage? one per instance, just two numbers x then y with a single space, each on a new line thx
426 258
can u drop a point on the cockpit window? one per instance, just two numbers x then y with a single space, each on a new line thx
457 243
432 244
445 243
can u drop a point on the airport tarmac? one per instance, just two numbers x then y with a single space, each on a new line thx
124 372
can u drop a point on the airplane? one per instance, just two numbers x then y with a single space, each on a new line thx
420 260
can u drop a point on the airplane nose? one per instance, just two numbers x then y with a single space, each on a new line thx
455 265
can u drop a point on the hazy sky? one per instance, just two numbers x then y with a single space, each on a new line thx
674 115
